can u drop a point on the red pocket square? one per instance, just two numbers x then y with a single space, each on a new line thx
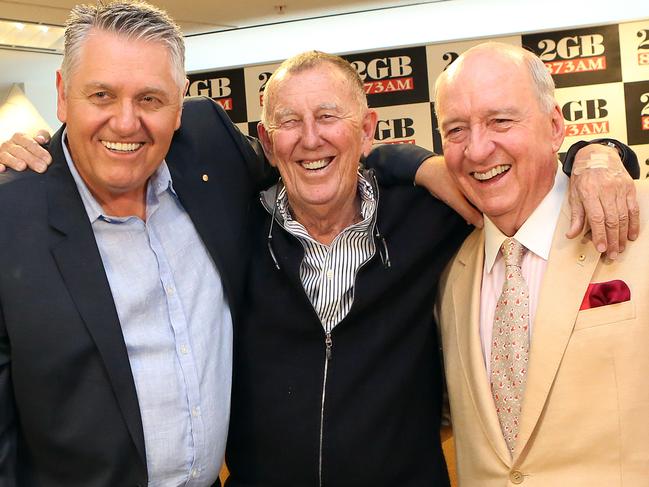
605 293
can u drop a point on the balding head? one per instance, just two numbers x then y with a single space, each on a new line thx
542 81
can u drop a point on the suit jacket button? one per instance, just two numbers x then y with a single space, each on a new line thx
516 477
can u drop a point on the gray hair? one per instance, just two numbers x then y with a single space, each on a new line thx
135 20
304 62
541 78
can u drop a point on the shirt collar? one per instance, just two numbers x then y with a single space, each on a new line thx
365 190
158 183
537 231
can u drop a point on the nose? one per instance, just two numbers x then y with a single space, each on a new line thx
479 145
310 137
126 118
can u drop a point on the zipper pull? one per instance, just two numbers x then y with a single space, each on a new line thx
328 345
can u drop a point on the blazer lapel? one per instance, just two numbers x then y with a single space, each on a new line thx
201 187
467 322
570 267
77 256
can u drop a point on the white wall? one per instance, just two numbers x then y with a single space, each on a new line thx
35 72
425 23
413 25
17 113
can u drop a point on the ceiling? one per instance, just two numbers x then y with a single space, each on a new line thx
201 16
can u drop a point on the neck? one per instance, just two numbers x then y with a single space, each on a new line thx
132 203
325 223
508 228
509 223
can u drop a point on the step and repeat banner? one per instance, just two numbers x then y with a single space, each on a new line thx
601 74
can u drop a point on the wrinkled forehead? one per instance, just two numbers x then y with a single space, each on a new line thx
316 88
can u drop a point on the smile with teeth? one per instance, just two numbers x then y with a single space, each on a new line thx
316 164
122 146
491 173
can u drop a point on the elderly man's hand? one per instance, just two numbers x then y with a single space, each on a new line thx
602 192
22 152
434 176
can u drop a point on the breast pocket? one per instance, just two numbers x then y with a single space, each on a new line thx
605 315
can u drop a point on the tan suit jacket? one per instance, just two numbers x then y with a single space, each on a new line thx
585 418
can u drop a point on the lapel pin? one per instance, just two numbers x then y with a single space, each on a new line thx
205 178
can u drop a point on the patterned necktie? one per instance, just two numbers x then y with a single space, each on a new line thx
510 343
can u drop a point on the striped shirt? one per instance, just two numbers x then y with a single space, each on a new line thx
328 272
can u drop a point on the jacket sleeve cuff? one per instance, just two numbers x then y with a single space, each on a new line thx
629 158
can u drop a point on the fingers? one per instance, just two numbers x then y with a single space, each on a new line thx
611 225
634 213
42 136
596 219
608 195
454 198
21 152
435 177
622 214
577 214
623 219
7 159
610 207
468 212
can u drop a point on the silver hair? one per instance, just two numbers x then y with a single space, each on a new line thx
538 72
135 20
304 62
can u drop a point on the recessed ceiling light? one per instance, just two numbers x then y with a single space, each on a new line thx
31 36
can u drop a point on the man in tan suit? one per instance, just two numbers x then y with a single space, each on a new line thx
549 382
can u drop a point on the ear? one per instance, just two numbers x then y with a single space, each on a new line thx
369 128
558 129
61 107
266 142
182 99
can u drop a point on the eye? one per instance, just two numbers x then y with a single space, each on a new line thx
454 133
288 123
100 96
151 101
502 123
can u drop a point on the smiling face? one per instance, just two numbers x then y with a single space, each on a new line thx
499 143
121 105
317 132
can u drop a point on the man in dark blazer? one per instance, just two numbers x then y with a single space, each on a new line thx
70 407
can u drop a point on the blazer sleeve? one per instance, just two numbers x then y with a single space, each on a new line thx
7 413
396 164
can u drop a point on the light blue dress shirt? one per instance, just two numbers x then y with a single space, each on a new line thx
177 328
